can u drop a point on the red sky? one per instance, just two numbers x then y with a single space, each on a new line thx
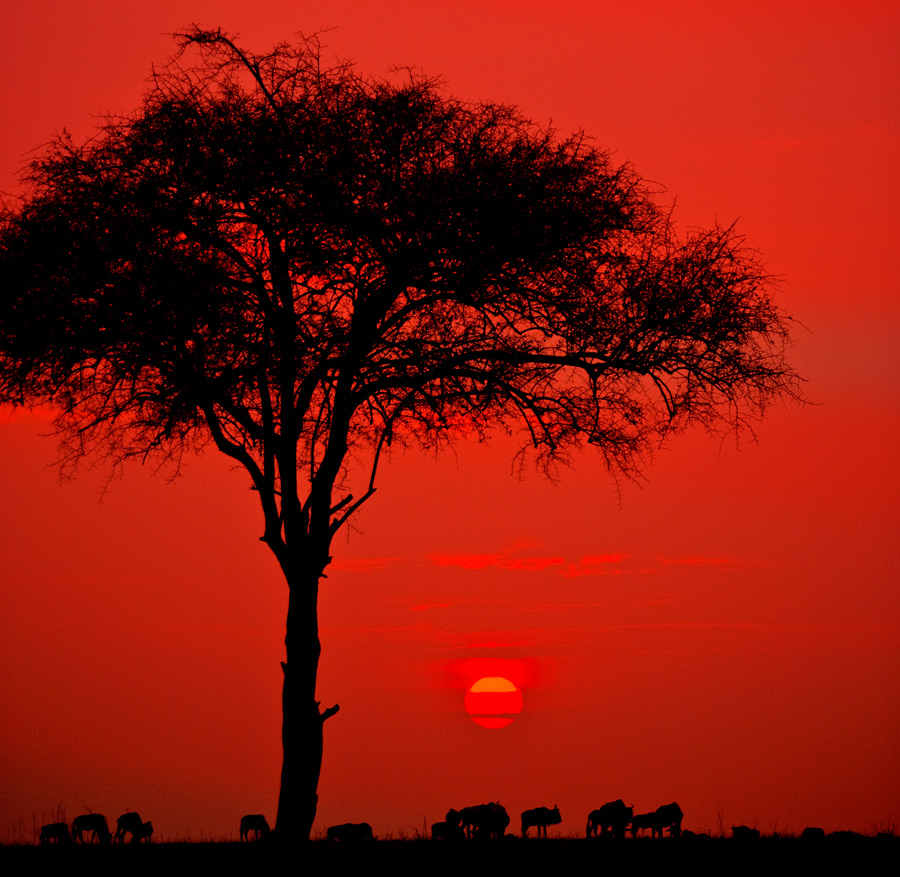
725 634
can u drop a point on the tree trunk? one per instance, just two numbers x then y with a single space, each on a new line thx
302 721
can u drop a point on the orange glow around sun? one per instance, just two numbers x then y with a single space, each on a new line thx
493 702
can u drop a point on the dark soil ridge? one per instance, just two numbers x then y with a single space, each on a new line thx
842 852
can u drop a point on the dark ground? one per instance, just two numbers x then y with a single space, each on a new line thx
770 857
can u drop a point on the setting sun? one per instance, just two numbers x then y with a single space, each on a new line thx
493 702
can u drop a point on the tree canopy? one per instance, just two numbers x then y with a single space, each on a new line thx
302 265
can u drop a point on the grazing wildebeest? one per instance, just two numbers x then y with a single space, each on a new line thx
613 816
144 833
814 834
540 817
448 829
95 822
668 817
742 832
350 831
484 820
254 822
127 823
56 831
641 821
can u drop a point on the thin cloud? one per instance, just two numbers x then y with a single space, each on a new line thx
518 606
610 564
498 561
605 565
699 560
561 607
597 559
386 631
364 564
532 563
425 607
512 559
455 604
498 644
465 561
574 570
655 602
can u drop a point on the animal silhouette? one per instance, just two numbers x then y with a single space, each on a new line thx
668 817
487 821
144 833
57 832
540 817
641 821
127 823
613 816
256 823
350 831
743 833
94 822
449 829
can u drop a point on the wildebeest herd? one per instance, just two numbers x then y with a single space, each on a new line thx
97 826
479 822
614 818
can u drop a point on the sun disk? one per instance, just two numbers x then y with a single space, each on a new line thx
493 702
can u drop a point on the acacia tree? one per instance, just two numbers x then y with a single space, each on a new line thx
301 266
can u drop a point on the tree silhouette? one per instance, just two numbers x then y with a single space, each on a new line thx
302 266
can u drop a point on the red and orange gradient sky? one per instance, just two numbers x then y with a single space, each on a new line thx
725 635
